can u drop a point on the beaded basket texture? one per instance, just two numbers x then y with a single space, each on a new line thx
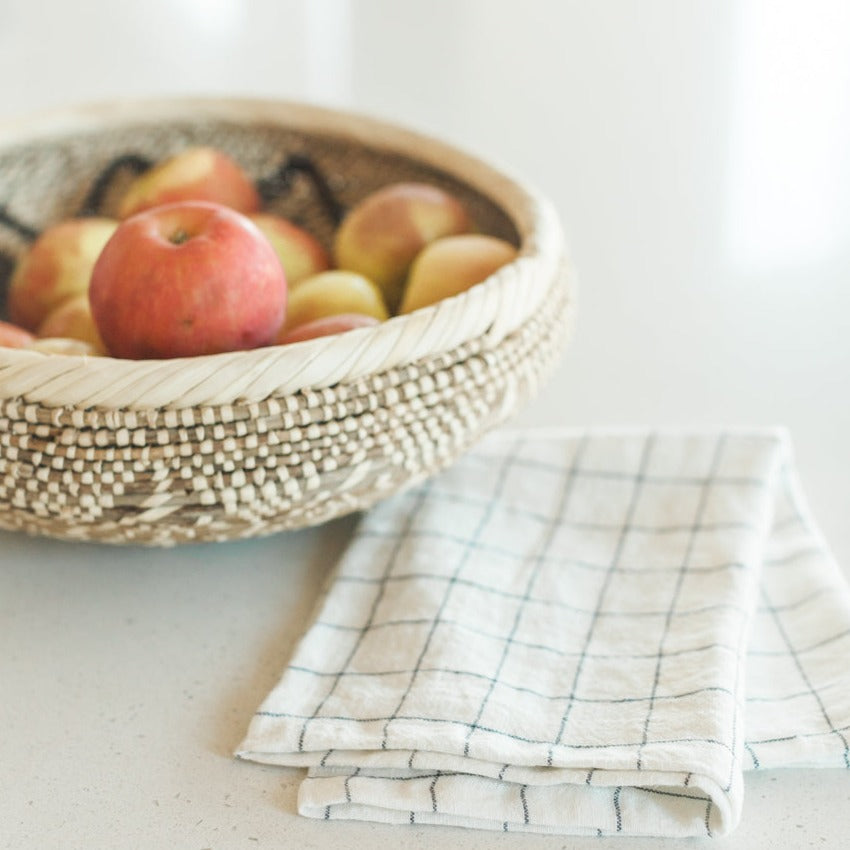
248 443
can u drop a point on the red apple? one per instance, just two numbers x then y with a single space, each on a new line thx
12 336
328 325
57 266
187 279
195 174
299 252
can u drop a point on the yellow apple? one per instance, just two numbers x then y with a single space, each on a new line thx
57 265
61 345
382 234
332 293
299 252
451 265
195 174
72 319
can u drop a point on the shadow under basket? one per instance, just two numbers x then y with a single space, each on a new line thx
248 443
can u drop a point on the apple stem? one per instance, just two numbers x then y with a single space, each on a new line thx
179 236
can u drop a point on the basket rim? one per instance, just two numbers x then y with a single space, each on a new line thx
491 309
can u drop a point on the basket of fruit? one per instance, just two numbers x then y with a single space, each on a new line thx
225 318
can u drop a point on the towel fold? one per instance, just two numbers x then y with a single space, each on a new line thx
586 633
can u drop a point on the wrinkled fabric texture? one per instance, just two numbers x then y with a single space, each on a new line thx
579 633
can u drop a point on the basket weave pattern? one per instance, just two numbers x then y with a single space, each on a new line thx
215 473
247 444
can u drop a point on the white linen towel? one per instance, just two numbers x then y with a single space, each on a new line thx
583 633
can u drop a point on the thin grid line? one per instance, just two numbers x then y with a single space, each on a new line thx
799 736
753 755
581 525
630 513
494 549
472 674
646 789
688 480
791 557
797 695
804 650
808 682
736 735
555 603
563 502
794 519
501 732
566 560
542 647
420 499
348 786
738 707
680 579
797 603
417 778
438 774
780 625
482 524
617 810
433 790
644 461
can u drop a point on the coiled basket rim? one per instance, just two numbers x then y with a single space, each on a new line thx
491 310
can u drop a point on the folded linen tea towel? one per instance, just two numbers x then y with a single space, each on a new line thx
576 633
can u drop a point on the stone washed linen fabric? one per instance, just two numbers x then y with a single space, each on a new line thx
578 633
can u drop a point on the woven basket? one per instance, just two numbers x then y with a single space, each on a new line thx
242 444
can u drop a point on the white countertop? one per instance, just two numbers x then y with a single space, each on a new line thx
697 154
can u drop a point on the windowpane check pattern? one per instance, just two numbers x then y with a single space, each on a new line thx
583 633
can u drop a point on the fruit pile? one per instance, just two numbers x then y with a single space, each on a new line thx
194 266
